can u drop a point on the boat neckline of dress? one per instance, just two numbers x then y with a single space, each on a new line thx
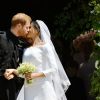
39 45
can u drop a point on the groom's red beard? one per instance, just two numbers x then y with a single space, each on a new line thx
30 41
27 40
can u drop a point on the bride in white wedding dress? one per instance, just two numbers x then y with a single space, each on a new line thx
50 81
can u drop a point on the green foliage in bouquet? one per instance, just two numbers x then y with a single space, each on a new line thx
25 68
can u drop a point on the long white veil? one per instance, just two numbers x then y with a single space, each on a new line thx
60 79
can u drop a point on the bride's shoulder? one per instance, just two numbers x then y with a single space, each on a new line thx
42 43
46 46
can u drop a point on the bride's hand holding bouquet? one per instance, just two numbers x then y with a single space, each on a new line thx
26 69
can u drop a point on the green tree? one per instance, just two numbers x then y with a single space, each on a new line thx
73 20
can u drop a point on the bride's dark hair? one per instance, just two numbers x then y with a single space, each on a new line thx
36 26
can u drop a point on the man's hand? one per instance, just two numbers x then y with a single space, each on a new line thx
9 77
9 74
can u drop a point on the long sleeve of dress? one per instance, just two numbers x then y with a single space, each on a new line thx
52 65
56 69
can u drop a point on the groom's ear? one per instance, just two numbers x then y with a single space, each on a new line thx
19 26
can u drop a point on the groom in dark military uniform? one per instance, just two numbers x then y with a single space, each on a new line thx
11 50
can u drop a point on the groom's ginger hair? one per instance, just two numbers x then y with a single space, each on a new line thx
20 18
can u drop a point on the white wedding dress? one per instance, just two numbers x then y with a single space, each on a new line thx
41 88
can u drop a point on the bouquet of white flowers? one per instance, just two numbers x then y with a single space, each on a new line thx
25 68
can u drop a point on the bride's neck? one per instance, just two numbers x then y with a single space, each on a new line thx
37 41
